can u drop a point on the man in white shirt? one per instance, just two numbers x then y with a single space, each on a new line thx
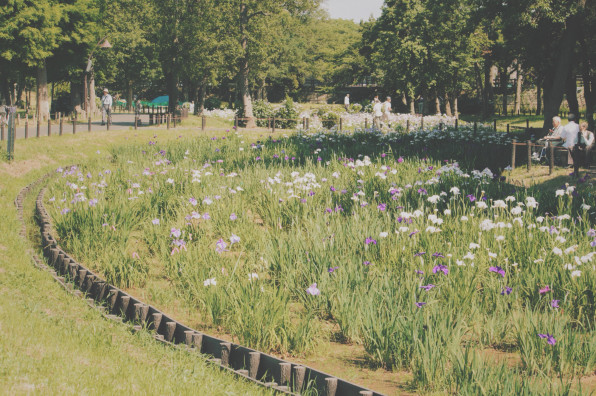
377 113
386 110
569 136
106 106
347 102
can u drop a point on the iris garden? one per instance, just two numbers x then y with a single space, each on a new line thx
386 240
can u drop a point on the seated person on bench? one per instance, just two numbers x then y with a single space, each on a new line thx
554 134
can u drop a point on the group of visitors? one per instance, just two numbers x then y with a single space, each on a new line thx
575 138
381 110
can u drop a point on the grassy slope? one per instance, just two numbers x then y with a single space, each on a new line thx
52 342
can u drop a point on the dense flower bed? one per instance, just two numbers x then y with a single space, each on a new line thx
286 242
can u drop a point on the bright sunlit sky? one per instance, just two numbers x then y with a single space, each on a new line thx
353 9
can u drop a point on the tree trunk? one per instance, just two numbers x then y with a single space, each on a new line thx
412 101
479 86
129 95
455 109
589 92
202 94
4 91
76 97
43 105
571 93
20 87
91 91
447 105
558 73
487 93
437 103
172 89
518 89
244 70
538 96
504 81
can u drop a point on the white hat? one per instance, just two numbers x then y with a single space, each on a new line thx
105 90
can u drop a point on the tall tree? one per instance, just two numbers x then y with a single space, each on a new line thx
29 33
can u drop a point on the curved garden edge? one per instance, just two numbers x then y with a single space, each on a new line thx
114 304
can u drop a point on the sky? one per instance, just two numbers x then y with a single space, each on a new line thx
353 9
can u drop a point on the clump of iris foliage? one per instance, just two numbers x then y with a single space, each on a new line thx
380 237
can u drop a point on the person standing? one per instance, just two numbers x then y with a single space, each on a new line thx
387 110
569 136
581 150
377 113
106 107
347 102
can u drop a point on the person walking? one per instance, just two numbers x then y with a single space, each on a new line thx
377 113
347 102
569 136
387 110
106 107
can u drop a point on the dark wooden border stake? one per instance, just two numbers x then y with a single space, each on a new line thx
529 143
513 149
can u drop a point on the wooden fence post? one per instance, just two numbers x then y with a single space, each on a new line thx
26 126
527 125
203 122
551 161
89 124
49 126
421 122
168 120
507 128
457 124
273 126
2 131
475 128
236 121
366 122
529 143
38 126
513 149
495 125
136 121
61 124
408 126
74 125
341 124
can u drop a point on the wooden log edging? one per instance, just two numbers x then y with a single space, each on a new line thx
258 367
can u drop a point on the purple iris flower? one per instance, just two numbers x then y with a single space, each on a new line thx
437 254
427 287
497 270
419 254
544 290
382 207
549 338
420 304
332 269
367 263
422 191
507 291
554 303
441 268
413 233
471 197
370 240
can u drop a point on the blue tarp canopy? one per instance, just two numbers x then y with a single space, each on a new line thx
161 100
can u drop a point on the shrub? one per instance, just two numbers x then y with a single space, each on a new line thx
287 114
212 103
